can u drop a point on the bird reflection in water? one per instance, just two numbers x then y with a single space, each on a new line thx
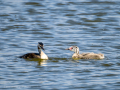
41 62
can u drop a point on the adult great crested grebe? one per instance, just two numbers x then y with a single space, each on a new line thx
40 55
92 55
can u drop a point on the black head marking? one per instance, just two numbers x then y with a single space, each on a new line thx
40 43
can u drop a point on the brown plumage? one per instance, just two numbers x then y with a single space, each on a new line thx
30 55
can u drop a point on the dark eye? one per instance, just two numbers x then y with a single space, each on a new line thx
76 47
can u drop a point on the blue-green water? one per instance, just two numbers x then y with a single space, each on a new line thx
92 25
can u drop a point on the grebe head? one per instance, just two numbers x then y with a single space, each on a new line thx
40 45
74 49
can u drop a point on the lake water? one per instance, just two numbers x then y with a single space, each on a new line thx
92 25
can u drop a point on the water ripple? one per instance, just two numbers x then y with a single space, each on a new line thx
91 25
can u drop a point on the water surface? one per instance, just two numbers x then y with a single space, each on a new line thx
92 25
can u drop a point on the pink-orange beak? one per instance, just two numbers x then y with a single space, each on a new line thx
67 49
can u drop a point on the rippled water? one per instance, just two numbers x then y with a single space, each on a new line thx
92 25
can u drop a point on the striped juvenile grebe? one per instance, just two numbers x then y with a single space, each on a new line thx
76 55
40 55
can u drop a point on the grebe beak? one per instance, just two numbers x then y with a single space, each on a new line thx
70 48
67 49
42 47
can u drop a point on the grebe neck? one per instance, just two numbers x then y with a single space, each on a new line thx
39 50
